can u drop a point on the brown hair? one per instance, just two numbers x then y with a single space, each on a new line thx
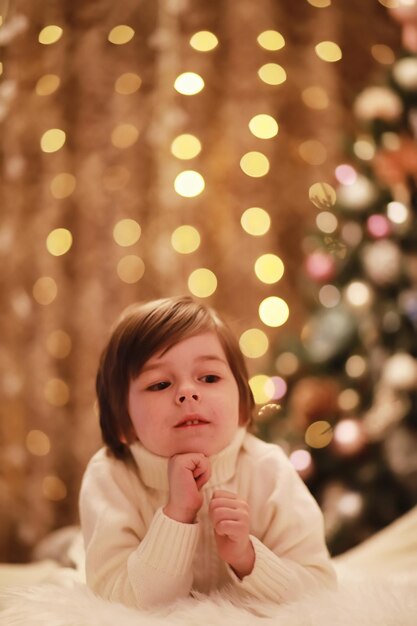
142 330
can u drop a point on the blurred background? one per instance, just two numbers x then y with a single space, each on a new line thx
260 156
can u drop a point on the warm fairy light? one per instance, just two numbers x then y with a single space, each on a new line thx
350 504
127 83
38 443
312 152
348 400
185 239
315 98
272 74
124 135
319 434
301 461
383 54
390 141
273 311
358 294
275 388
287 363
52 140
326 222
189 83
271 40
59 241
53 488
269 268
47 84
378 226
255 221
329 296
254 164
364 148
355 366
45 290
186 146
126 232
130 268
263 126
56 392
253 343
116 177
189 184
346 174
322 195
204 41
58 344
202 282
121 34
397 212
62 185
348 436
50 34
328 51
257 385
352 233
320 4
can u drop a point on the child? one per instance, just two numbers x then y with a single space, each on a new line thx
183 499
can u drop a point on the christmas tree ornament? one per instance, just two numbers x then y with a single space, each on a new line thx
400 372
382 262
328 334
359 196
379 103
404 73
320 266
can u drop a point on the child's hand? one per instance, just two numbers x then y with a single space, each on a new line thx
230 518
187 474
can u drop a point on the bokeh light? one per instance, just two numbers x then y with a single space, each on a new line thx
257 384
355 366
127 83
130 268
271 40
346 174
59 241
253 343
397 212
124 135
47 84
320 4
186 146
189 84
52 140
58 344
348 400
275 388
329 296
319 434
50 34
273 311
322 195
254 164
204 41
328 51
263 126
185 239
255 221
383 54
364 148
56 392
38 443
62 185
45 290
202 282
302 462
312 152
326 222
189 184
269 268
53 488
287 363
315 97
126 232
358 294
272 74
121 34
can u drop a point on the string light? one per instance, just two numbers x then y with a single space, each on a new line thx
124 135
255 221
130 268
186 146
273 311
59 241
189 84
47 84
272 74
202 282
271 40
185 239
257 385
62 185
315 98
253 343
263 126
254 164
328 51
121 34
269 268
50 34
204 41
189 184
127 83
52 140
126 232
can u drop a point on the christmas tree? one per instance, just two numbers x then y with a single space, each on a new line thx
349 418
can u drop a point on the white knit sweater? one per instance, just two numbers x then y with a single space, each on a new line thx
138 556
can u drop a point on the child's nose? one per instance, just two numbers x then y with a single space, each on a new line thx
187 394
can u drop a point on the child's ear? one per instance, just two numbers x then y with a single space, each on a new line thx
129 436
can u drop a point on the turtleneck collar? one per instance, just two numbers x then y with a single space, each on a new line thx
154 469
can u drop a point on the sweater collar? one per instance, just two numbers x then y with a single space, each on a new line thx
154 469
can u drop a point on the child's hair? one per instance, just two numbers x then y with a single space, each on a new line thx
141 331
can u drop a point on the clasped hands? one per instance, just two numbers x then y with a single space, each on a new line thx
187 474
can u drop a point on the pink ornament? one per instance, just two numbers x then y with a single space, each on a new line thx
378 226
320 266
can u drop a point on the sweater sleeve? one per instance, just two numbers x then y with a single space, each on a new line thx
291 557
125 560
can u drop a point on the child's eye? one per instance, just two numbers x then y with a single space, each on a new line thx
158 386
210 378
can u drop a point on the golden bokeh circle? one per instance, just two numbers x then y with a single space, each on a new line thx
202 282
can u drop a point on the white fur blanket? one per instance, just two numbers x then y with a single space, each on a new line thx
357 603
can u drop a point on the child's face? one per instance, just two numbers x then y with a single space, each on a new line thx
186 399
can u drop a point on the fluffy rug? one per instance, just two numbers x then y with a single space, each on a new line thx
356 603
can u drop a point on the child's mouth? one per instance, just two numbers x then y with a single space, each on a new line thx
189 422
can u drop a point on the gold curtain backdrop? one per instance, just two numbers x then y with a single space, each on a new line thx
100 207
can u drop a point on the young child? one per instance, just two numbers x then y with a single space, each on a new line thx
183 499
